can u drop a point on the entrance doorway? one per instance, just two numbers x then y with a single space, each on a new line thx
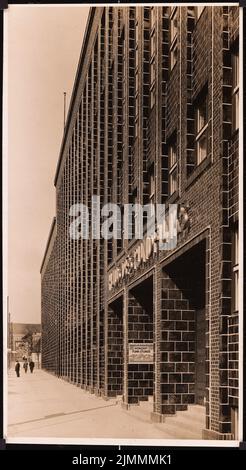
140 367
187 278
115 354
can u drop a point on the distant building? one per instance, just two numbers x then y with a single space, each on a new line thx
154 119
25 341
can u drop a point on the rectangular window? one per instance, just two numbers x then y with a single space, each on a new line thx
136 127
152 18
152 44
136 30
152 57
136 58
174 23
136 47
174 53
201 128
134 219
173 167
136 102
152 71
235 90
152 96
124 79
151 184
173 36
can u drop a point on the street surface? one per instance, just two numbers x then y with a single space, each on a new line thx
42 405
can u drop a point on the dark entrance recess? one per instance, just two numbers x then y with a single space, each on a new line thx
200 378
140 330
115 348
186 278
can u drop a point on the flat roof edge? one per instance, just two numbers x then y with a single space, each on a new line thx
53 224
75 88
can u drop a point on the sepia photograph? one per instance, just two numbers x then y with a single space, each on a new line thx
122 220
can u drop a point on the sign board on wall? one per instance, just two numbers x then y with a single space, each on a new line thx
141 353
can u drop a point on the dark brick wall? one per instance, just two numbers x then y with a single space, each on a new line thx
224 422
203 191
202 42
233 204
233 177
49 338
177 347
140 382
211 190
233 148
233 346
206 191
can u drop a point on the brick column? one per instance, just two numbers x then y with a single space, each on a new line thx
115 349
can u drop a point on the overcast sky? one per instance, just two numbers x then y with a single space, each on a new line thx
44 44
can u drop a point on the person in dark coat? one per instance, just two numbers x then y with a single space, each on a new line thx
31 365
25 366
17 368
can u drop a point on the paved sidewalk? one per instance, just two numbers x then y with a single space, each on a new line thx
41 405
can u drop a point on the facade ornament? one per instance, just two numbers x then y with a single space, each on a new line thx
183 221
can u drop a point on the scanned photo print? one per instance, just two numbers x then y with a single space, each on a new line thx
123 223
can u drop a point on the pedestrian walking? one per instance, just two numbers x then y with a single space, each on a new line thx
17 368
25 366
31 365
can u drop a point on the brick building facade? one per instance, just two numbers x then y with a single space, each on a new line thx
153 119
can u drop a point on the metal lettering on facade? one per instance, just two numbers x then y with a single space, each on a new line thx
140 255
150 247
141 353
